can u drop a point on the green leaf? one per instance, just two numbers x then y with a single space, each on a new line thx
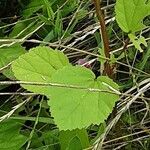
8 54
24 28
130 14
50 137
113 59
10 138
70 107
69 7
38 66
45 19
145 57
58 25
75 144
78 107
100 131
49 37
138 41
67 136
32 7
36 5
49 9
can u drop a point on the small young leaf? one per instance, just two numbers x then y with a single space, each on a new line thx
10 138
113 59
50 12
58 25
138 41
130 14
37 66
78 108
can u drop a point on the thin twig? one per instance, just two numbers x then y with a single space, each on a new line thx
112 90
18 93
71 48
100 140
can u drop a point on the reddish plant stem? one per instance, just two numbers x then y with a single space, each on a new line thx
126 44
108 70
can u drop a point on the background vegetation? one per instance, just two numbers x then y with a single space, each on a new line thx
72 27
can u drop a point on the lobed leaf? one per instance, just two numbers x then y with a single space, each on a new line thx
78 108
73 105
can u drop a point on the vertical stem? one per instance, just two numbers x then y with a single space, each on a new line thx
108 69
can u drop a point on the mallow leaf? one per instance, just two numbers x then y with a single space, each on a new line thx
38 65
130 14
74 104
10 138
80 107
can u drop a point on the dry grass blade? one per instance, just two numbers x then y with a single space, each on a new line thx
9 114
98 144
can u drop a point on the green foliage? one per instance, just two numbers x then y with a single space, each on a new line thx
138 41
80 108
10 138
32 7
74 144
50 7
66 139
75 99
130 14
9 54
38 66
69 106
24 29
113 59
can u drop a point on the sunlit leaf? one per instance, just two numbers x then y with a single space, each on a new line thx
130 14
37 66
78 107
